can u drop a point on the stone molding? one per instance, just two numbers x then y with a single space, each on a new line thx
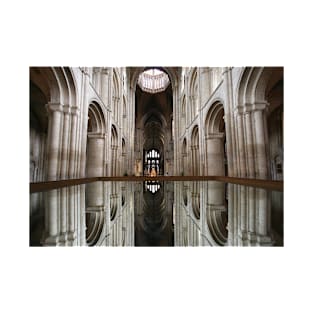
215 136
251 107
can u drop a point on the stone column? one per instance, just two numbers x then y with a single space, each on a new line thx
53 154
95 155
54 137
241 146
73 149
249 143
228 119
215 154
205 84
65 143
95 152
258 115
104 90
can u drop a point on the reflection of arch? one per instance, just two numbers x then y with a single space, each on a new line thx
217 224
195 200
94 227
113 207
123 147
216 212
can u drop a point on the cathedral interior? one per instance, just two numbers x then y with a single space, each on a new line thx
156 156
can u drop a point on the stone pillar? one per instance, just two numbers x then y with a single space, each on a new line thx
54 137
228 119
249 144
95 153
53 155
104 90
65 143
205 84
241 146
73 149
258 115
215 154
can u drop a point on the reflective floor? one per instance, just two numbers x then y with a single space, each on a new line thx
157 213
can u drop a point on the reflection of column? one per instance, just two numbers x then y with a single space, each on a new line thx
215 154
262 216
51 226
251 215
63 215
71 216
230 225
243 215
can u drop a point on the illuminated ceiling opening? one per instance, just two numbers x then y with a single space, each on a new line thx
153 81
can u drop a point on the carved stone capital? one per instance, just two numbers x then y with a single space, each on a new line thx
251 107
220 136
75 110
214 207
54 107
96 136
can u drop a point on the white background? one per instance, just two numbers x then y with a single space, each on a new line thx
161 33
